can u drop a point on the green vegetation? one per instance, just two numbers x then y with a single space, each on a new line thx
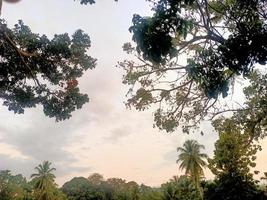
40 187
192 161
233 159
80 188
44 185
36 70
188 56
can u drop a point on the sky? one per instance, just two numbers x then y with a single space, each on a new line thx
103 136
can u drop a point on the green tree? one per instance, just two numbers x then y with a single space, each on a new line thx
188 55
36 70
234 156
44 181
252 117
180 188
80 188
234 152
149 193
14 187
192 161
95 179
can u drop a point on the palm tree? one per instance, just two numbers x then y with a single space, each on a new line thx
192 161
44 180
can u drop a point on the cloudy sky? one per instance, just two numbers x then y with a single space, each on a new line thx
103 136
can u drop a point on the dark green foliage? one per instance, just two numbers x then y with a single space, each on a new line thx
97 189
180 188
154 35
220 39
80 188
234 152
14 186
234 156
236 55
253 118
232 187
36 70
154 40
246 45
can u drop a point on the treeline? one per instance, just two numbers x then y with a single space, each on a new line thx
232 163
95 187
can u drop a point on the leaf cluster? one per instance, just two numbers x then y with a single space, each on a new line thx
36 70
220 40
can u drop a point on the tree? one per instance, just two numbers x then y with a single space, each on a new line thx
188 55
44 181
14 186
252 118
192 161
36 70
80 188
180 188
234 156
96 179
96 188
234 153
149 193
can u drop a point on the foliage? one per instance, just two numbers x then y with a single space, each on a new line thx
234 156
13 186
192 161
95 187
189 53
44 185
149 193
252 118
36 70
44 178
80 188
180 188
233 187
234 152
95 179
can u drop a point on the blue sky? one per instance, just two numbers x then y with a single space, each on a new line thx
103 136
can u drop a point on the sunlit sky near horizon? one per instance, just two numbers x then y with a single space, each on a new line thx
103 136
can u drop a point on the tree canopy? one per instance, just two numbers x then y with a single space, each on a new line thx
189 54
37 70
233 161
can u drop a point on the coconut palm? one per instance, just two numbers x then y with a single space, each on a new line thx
44 180
192 161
